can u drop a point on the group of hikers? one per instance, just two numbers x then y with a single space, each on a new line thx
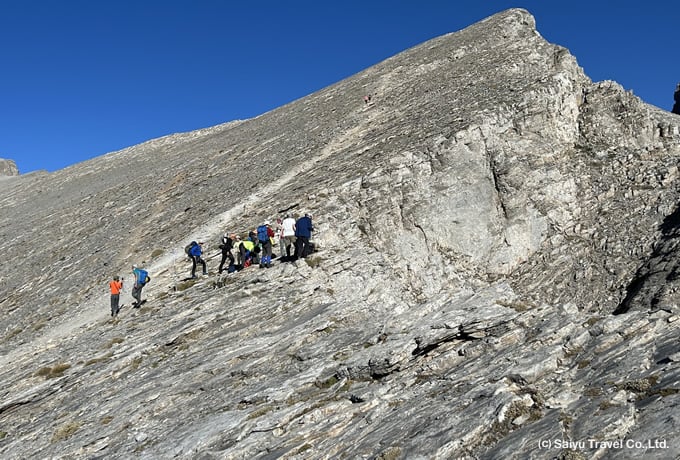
255 249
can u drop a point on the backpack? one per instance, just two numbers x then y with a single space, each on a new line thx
188 248
262 234
229 244
195 250
144 277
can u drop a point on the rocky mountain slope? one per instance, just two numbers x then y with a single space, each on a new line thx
496 274
8 168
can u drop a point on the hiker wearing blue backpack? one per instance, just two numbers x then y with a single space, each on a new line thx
141 278
264 235
196 253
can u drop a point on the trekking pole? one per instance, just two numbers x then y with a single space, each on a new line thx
174 270
126 286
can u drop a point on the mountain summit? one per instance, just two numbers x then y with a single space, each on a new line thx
495 274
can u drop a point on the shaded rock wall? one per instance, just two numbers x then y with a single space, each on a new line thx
478 224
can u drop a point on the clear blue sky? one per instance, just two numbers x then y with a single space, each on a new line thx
81 78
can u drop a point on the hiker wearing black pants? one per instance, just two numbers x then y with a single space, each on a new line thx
196 251
226 246
303 232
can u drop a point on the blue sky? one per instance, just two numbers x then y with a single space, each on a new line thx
81 78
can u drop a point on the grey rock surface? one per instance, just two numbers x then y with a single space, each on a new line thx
496 274
8 168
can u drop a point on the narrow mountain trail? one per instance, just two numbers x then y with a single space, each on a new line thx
88 315
216 225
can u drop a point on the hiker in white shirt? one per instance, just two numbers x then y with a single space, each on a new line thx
288 233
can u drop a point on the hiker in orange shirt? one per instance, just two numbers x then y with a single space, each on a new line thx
116 286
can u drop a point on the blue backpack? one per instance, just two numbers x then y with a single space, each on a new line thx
144 277
262 234
195 250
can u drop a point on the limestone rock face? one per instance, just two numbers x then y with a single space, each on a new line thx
8 168
495 274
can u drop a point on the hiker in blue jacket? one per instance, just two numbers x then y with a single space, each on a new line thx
196 252
141 278
303 232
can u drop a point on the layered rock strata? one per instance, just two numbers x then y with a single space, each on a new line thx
495 274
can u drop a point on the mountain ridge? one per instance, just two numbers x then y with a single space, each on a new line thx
460 305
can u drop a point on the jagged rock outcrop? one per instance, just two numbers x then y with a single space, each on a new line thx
479 224
8 168
676 98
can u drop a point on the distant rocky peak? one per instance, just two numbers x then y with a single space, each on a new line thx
8 168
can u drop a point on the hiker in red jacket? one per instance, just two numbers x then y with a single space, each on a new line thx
116 287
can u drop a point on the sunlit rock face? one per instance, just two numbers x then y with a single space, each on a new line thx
495 274
8 168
